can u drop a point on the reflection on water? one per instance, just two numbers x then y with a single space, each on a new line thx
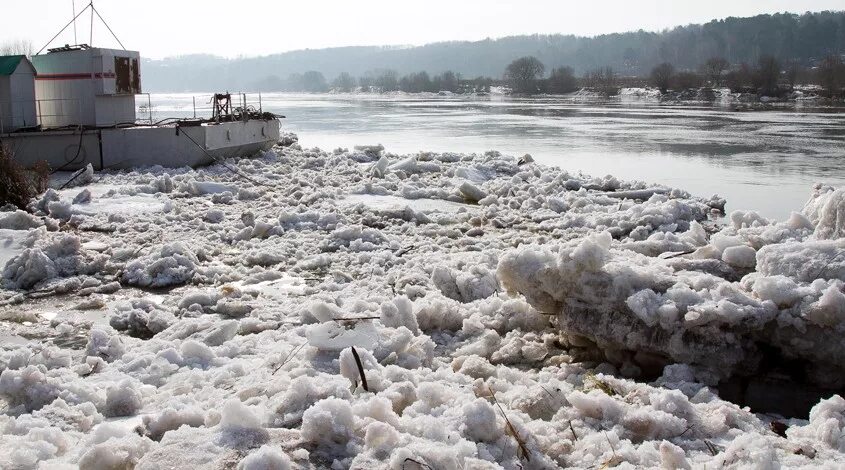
763 160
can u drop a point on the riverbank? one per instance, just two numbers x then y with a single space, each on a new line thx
438 310
800 97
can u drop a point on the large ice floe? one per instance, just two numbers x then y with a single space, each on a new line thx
432 311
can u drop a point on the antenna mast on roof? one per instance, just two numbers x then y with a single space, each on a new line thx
91 41
73 3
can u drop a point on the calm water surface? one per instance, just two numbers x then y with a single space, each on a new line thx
761 160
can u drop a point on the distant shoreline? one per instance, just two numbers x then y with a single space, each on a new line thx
803 97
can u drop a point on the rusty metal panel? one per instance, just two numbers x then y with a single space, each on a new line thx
136 76
123 79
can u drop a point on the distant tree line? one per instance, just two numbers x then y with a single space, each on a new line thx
802 39
383 81
768 76
527 75
17 47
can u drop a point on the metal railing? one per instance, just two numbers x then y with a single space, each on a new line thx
31 113
47 113
149 109
194 106
51 110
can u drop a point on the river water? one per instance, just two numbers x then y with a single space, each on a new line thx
762 160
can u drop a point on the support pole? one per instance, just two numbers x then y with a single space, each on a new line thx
91 42
75 40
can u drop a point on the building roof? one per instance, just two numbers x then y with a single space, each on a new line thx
9 63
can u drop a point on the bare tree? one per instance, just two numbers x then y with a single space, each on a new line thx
344 82
687 80
367 82
738 80
447 81
562 80
793 73
831 75
602 80
767 75
714 68
522 74
387 80
661 76
17 47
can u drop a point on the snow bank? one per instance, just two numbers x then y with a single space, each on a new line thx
563 321
329 424
156 425
50 257
122 399
114 447
690 308
826 209
19 220
141 318
468 285
239 427
266 458
168 265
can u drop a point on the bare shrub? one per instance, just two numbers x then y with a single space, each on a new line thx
19 185
661 76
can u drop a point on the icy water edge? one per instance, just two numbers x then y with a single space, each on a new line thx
763 160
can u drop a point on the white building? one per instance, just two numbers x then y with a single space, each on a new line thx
17 93
81 86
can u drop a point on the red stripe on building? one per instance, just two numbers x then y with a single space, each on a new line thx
73 76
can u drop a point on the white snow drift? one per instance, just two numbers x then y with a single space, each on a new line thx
505 319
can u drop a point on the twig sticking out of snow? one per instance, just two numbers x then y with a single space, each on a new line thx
823 270
613 461
711 447
569 423
360 369
669 255
289 357
523 449
405 250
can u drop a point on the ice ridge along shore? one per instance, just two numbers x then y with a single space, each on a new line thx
505 314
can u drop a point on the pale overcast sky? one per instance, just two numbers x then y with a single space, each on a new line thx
161 28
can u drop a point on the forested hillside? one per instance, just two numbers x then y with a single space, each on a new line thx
787 37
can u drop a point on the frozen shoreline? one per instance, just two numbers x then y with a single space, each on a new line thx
801 97
204 320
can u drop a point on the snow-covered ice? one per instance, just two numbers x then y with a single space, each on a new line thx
503 314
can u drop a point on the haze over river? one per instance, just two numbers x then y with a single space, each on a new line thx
761 160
